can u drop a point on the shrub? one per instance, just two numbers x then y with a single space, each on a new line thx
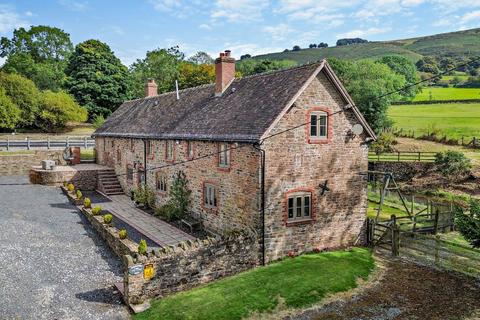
122 234
87 203
79 194
145 196
70 187
98 121
142 247
469 223
384 143
180 195
107 218
452 163
96 210
65 184
168 212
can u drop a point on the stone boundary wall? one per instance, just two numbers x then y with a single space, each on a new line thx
85 180
188 265
20 163
402 171
121 247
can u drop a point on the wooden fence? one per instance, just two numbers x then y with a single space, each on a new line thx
403 156
473 142
39 144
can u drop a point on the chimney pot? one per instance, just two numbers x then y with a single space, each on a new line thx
151 88
224 72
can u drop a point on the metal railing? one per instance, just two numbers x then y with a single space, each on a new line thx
41 144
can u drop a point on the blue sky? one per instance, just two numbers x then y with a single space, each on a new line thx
244 26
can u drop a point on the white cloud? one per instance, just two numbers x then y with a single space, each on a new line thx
471 16
29 14
362 33
10 20
177 8
72 5
205 26
279 32
239 10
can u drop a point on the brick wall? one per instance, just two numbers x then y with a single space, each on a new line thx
238 187
20 164
190 264
339 214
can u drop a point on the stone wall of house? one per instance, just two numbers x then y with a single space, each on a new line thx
84 179
402 171
189 265
20 163
337 215
238 186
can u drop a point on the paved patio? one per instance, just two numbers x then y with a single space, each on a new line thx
157 230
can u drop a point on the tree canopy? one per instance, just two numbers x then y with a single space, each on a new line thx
9 112
405 67
366 81
253 66
96 78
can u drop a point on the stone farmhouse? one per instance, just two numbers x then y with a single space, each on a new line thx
272 152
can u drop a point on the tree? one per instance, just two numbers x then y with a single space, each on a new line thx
349 41
254 66
24 94
452 163
447 63
40 54
296 48
161 65
366 81
468 223
312 45
56 109
245 56
192 75
96 78
201 58
427 64
9 112
405 67
322 45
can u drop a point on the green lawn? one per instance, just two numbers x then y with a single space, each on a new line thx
87 154
452 119
296 282
461 77
434 93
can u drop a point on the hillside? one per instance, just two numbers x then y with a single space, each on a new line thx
455 44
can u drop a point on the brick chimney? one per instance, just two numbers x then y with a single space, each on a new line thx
224 72
150 88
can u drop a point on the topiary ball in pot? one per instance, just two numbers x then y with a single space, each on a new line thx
79 194
96 210
107 219
142 247
87 203
122 234
70 187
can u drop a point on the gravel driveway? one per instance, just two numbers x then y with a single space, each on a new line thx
52 264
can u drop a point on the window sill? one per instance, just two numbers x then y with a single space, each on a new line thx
315 140
299 222
224 169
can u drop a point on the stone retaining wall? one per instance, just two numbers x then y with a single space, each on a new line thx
188 265
20 163
85 180
402 171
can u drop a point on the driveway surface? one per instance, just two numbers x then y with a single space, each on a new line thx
52 264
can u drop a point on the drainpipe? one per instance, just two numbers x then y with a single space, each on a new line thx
145 161
262 196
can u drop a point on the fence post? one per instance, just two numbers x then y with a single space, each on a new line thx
462 140
395 236
67 143
419 156
435 227
8 144
28 143
85 142
48 143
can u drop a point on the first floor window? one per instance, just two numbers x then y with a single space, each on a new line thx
210 196
169 150
119 156
161 182
318 124
299 206
132 145
129 173
148 147
190 154
224 155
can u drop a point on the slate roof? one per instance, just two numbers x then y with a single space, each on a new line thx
243 113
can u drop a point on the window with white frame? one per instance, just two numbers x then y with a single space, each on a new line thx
169 150
299 206
190 152
319 124
161 182
223 155
209 196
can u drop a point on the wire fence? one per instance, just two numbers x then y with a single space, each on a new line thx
47 144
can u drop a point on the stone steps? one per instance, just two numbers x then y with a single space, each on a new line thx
108 182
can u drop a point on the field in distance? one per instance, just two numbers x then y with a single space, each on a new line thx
451 119
436 93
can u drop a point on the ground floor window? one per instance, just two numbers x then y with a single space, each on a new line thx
161 182
129 173
210 196
299 206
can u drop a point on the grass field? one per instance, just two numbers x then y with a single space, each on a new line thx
453 119
72 129
462 77
292 283
435 93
